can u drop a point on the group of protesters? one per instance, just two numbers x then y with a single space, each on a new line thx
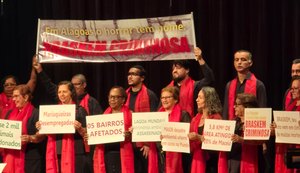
184 99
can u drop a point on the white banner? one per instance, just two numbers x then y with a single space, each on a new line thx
106 128
10 133
257 123
175 137
217 134
57 119
147 126
288 126
148 39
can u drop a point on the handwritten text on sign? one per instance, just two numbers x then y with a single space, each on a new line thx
175 137
217 134
106 128
288 126
10 133
147 126
57 119
257 123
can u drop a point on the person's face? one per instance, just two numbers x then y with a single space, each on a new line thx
64 94
242 63
19 99
134 77
239 108
295 89
78 85
295 70
167 100
8 86
200 100
179 73
115 99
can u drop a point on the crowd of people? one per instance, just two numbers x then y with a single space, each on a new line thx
184 99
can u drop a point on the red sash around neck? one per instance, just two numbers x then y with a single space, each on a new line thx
6 104
15 159
199 157
126 150
250 87
173 159
142 103
67 154
85 104
186 95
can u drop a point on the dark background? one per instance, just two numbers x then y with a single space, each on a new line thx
268 28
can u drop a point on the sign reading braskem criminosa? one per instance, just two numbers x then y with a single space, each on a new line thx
148 39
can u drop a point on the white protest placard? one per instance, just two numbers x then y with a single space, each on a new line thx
257 123
2 166
175 137
57 119
106 128
147 126
217 134
11 132
287 126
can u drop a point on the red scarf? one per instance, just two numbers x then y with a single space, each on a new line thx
250 88
288 99
173 159
85 104
186 96
126 150
199 157
15 159
142 104
6 104
67 154
281 149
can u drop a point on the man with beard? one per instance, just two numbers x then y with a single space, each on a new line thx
189 88
141 99
246 82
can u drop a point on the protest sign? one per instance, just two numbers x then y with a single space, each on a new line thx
147 126
107 128
10 133
175 137
57 119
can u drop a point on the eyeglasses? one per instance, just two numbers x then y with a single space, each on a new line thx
166 97
133 74
114 97
9 84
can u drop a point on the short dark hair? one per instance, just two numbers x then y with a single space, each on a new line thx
247 100
121 89
246 51
183 63
142 70
294 78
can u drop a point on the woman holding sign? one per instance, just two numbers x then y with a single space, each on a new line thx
281 149
209 107
116 157
31 157
66 151
243 156
169 100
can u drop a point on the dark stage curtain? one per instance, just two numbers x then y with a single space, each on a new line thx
268 28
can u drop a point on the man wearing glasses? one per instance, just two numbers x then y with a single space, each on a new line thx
140 99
